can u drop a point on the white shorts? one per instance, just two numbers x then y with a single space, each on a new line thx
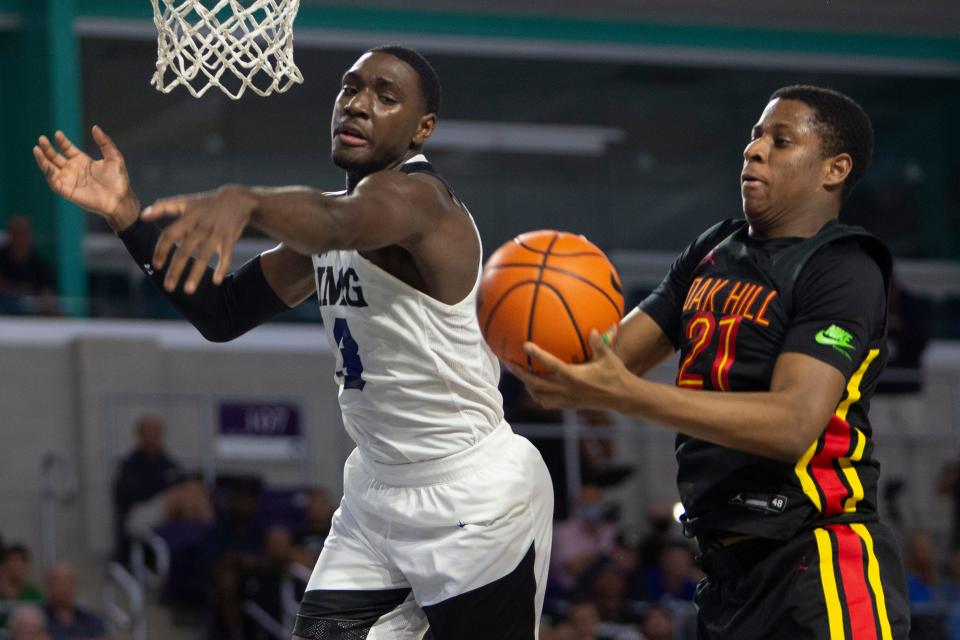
463 526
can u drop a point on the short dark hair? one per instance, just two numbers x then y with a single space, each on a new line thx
16 549
429 80
843 125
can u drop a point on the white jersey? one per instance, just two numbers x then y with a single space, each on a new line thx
417 381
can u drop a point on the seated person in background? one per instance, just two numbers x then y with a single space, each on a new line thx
27 622
675 577
143 474
262 578
657 624
308 540
604 584
14 572
186 501
580 540
22 271
925 582
231 547
14 587
66 620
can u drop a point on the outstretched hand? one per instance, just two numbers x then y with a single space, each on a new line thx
597 384
99 186
205 224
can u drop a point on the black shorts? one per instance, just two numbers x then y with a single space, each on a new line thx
838 582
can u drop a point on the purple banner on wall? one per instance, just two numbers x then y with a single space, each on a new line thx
259 431
259 419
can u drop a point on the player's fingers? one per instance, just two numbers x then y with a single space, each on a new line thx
198 269
552 400
599 345
181 256
50 153
108 149
67 147
166 242
45 165
550 362
610 335
519 372
223 264
163 208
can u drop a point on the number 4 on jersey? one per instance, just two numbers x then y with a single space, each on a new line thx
351 368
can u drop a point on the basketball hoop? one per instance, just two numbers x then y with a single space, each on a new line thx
233 45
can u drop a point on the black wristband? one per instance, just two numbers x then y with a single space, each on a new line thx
140 239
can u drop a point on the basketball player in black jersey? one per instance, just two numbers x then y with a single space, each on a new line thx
396 557
780 322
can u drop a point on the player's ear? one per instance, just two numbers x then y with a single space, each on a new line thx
425 129
836 169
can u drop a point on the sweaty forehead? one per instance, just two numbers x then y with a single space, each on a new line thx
375 66
792 113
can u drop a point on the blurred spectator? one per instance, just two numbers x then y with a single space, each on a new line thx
926 589
657 624
262 578
28 622
675 577
14 575
584 623
924 581
22 271
580 540
186 501
660 524
142 476
598 464
308 540
66 620
949 485
234 545
907 337
585 618
605 584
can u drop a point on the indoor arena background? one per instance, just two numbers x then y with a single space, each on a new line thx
623 120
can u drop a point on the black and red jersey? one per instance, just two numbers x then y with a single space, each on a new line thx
732 304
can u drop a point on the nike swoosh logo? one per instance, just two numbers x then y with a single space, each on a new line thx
824 339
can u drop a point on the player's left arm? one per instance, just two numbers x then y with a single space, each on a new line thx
808 381
386 208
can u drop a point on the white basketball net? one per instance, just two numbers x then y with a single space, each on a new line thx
233 45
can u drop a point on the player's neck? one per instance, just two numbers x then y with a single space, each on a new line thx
791 224
355 176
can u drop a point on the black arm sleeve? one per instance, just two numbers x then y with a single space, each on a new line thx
220 313
665 303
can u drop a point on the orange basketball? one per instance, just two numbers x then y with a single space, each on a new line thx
551 288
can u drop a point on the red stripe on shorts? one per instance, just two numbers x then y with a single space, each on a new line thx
856 594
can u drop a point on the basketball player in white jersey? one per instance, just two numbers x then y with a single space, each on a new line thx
446 514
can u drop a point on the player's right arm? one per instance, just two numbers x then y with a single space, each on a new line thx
262 288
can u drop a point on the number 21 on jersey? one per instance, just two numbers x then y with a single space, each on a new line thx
700 331
351 369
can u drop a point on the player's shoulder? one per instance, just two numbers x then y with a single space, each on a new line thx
853 252
424 190
713 236
849 264
721 230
